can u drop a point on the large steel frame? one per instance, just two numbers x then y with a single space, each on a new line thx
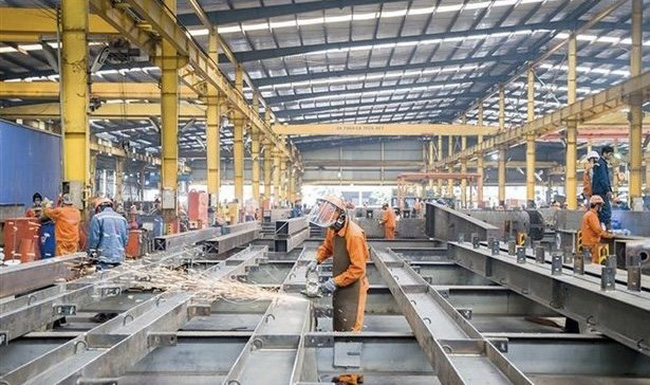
619 314
454 347
429 317
109 350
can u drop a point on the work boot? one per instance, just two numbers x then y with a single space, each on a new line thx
348 379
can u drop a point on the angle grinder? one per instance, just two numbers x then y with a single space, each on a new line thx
311 285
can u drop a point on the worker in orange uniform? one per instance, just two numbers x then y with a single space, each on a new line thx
346 243
591 229
388 220
66 225
592 161
417 208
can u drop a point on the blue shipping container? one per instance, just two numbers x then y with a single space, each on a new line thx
30 161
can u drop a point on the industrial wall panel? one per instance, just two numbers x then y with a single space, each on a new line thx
30 161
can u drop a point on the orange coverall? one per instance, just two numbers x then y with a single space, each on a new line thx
389 222
592 232
66 228
349 251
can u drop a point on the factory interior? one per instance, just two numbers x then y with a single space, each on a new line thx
302 192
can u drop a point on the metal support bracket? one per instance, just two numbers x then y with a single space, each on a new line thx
347 354
65 310
155 340
199 311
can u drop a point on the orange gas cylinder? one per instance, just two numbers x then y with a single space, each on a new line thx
197 207
22 239
133 244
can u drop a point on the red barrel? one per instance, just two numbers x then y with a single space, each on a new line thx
22 239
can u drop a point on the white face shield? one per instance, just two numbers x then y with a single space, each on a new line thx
323 214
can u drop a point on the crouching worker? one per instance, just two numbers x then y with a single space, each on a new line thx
107 236
592 230
346 243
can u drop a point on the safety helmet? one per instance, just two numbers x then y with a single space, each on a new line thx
593 155
102 202
66 199
596 199
326 211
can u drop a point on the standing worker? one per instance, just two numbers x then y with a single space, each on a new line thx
36 210
66 225
591 229
346 243
108 235
417 208
587 176
388 220
602 185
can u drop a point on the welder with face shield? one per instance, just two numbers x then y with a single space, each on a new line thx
346 243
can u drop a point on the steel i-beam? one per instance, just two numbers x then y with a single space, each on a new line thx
619 314
457 351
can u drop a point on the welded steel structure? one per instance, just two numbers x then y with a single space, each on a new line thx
440 310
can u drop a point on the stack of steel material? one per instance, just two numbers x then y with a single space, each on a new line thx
244 226
247 233
446 224
274 215
109 350
182 240
290 233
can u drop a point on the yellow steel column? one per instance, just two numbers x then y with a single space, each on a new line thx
439 159
169 126
255 153
268 150
119 179
646 155
571 187
636 112
480 164
268 159
430 163
212 126
298 184
284 186
74 96
92 174
502 151
450 168
502 176
463 168
291 195
530 142
238 139
276 174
